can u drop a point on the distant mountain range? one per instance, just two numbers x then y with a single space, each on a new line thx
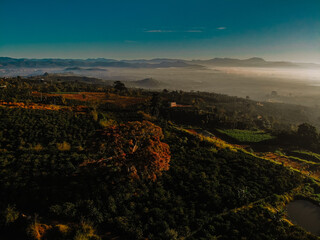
90 64
99 62
251 62
84 69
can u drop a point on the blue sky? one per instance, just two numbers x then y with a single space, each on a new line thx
128 29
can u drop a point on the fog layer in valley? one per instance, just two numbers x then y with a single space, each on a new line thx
289 85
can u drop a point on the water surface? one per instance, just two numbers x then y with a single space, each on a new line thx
305 214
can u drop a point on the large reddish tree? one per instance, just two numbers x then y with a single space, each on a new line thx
135 147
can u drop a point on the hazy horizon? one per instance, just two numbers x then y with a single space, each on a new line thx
153 58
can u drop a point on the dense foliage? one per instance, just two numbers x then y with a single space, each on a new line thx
128 172
135 146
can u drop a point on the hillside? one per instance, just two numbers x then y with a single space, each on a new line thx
146 83
85 160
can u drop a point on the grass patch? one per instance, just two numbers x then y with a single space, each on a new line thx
247 135
310 156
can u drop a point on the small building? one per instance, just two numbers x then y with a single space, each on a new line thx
173 104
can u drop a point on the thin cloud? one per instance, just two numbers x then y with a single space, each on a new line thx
173 31
194 31
158 31
221 28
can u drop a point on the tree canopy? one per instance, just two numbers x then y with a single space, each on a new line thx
134 146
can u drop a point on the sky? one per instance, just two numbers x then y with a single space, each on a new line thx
135 29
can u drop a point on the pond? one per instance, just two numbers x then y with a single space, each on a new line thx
305 214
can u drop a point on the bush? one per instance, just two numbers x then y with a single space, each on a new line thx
10 214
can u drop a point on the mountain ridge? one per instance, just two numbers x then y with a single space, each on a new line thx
149 63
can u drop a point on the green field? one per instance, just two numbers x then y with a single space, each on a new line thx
247 135
310 156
